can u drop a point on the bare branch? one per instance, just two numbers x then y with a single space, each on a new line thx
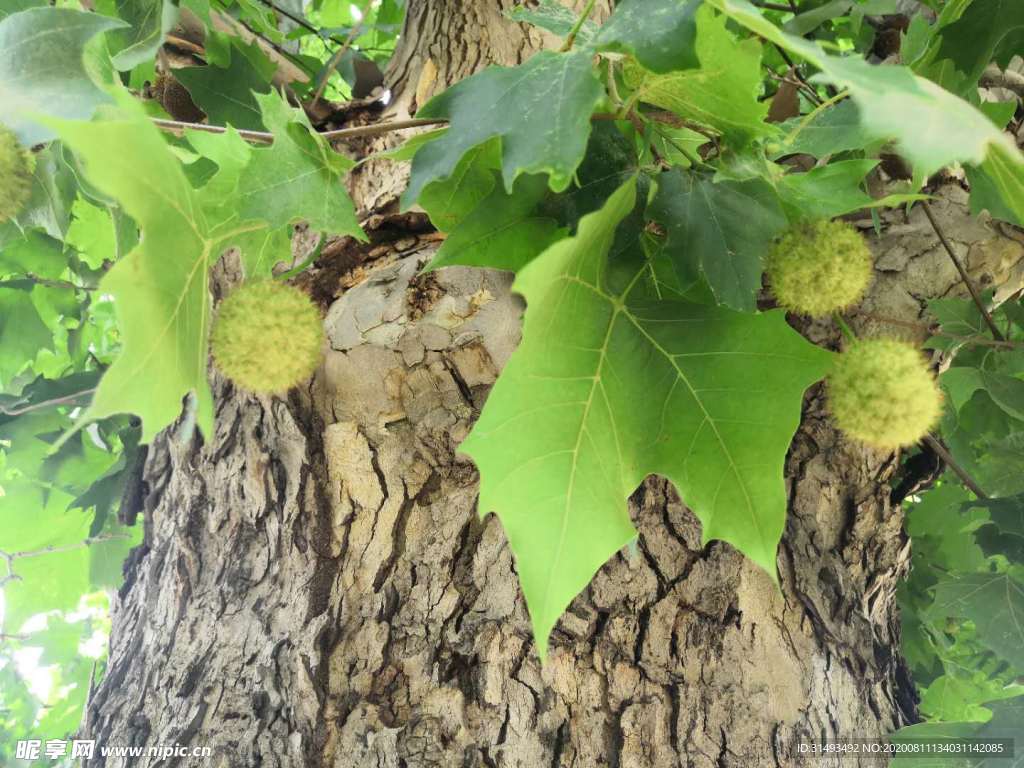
963 273
959 471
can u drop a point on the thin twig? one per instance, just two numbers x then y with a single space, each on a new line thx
959 471
333 62
46 403
808 88
963 273
844 327
584 15
10 557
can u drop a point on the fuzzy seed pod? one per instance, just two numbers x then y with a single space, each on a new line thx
16 167
819 267
176 99
267 337
881 392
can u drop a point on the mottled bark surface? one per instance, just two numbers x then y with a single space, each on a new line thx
316 588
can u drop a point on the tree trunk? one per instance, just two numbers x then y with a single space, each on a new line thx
316 588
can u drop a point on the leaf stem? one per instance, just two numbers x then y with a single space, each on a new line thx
807 88
571 37
963 273
814 113
952 463
844 326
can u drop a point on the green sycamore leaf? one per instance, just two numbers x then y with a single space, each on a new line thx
659 33
834 130
827 191
448 201
160 288
43 70
722 92
505 231
932 127
22 331
298 177
35 254
940 529
988 30
562 443
49 207
720 229
92 233
960 383
150 22
997 185
541 110
994 602
958 697
227 96
554 17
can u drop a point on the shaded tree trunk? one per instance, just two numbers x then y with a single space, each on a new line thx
316 588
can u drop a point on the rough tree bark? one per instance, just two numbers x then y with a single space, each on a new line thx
316 589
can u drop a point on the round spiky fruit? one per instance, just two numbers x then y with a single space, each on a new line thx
881 392
16 166
819 267
267 337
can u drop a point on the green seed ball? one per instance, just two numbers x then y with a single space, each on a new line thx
819 267
881 392
16 167
267 337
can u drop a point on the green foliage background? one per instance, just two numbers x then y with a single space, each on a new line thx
631 180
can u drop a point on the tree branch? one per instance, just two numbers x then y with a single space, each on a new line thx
178 127
46 403
959 471
963 273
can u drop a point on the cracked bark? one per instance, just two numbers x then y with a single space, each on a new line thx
316 588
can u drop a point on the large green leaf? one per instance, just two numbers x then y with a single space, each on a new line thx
22 332
541 110
997 185
554 17
298 177
611 384
448 201
150 22
505 231
931 127
994 602
958 697
720 229
659 33
836 129
160 288
228 95
43 71
981 35
827 191
722 92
